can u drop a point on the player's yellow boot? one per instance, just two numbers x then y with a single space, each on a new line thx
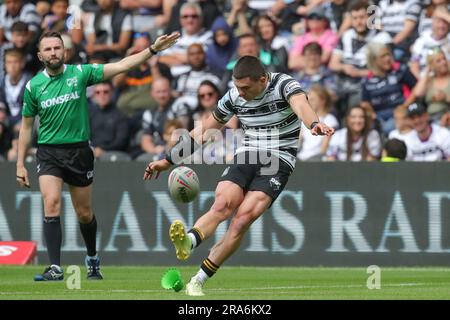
194 288
181 240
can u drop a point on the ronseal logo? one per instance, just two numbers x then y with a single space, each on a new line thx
59 100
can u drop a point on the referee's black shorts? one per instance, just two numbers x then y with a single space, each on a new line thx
253 177
73 163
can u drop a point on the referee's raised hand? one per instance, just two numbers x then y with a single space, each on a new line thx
165 41
22 177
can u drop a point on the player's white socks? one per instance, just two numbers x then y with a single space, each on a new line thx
193 240
201 276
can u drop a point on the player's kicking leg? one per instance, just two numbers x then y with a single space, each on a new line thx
253 206
82 199
51 187
228 197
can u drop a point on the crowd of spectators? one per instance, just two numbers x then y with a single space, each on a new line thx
376 71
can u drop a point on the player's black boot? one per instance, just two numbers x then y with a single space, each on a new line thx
52 273
93 267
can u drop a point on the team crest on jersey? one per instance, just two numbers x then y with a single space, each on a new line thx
273 107
72 82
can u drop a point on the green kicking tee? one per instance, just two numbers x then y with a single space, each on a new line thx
61 103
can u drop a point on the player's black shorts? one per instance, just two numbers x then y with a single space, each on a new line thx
252 177
74 163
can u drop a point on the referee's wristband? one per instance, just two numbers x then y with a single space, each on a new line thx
152 51
313 124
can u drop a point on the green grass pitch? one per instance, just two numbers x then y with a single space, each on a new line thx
235 283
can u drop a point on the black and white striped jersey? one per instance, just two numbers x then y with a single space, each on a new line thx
269 123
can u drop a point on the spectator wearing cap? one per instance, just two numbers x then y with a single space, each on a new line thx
109 126
394 150
192 31
427 142
387 84
349 60
434 86
17 10
437 37
108 31
317 30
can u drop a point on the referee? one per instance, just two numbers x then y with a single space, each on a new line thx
58 96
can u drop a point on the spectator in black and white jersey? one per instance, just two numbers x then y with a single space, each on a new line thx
16 10
400 19
188 83
349 57
12 86
20 39
427 142
357 141
437 37
426 16
193 31
387 85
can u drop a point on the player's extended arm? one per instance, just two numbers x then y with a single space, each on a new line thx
128 63
197 136
300 105
26 130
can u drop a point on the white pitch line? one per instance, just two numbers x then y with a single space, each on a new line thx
226 289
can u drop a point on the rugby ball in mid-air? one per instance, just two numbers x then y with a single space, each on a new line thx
183 184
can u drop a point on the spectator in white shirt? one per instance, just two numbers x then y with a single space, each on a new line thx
313 148
427 142
356 142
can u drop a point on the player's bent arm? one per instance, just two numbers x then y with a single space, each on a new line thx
26 130
301 107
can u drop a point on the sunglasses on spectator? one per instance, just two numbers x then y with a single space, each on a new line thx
102 91
207 94
193 16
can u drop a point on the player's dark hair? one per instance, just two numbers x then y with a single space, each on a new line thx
51 34
396 148
19 26
313 47
249 66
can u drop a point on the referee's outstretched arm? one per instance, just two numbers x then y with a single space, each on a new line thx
127 63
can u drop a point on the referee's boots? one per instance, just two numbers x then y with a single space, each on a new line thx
52 273
93 267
